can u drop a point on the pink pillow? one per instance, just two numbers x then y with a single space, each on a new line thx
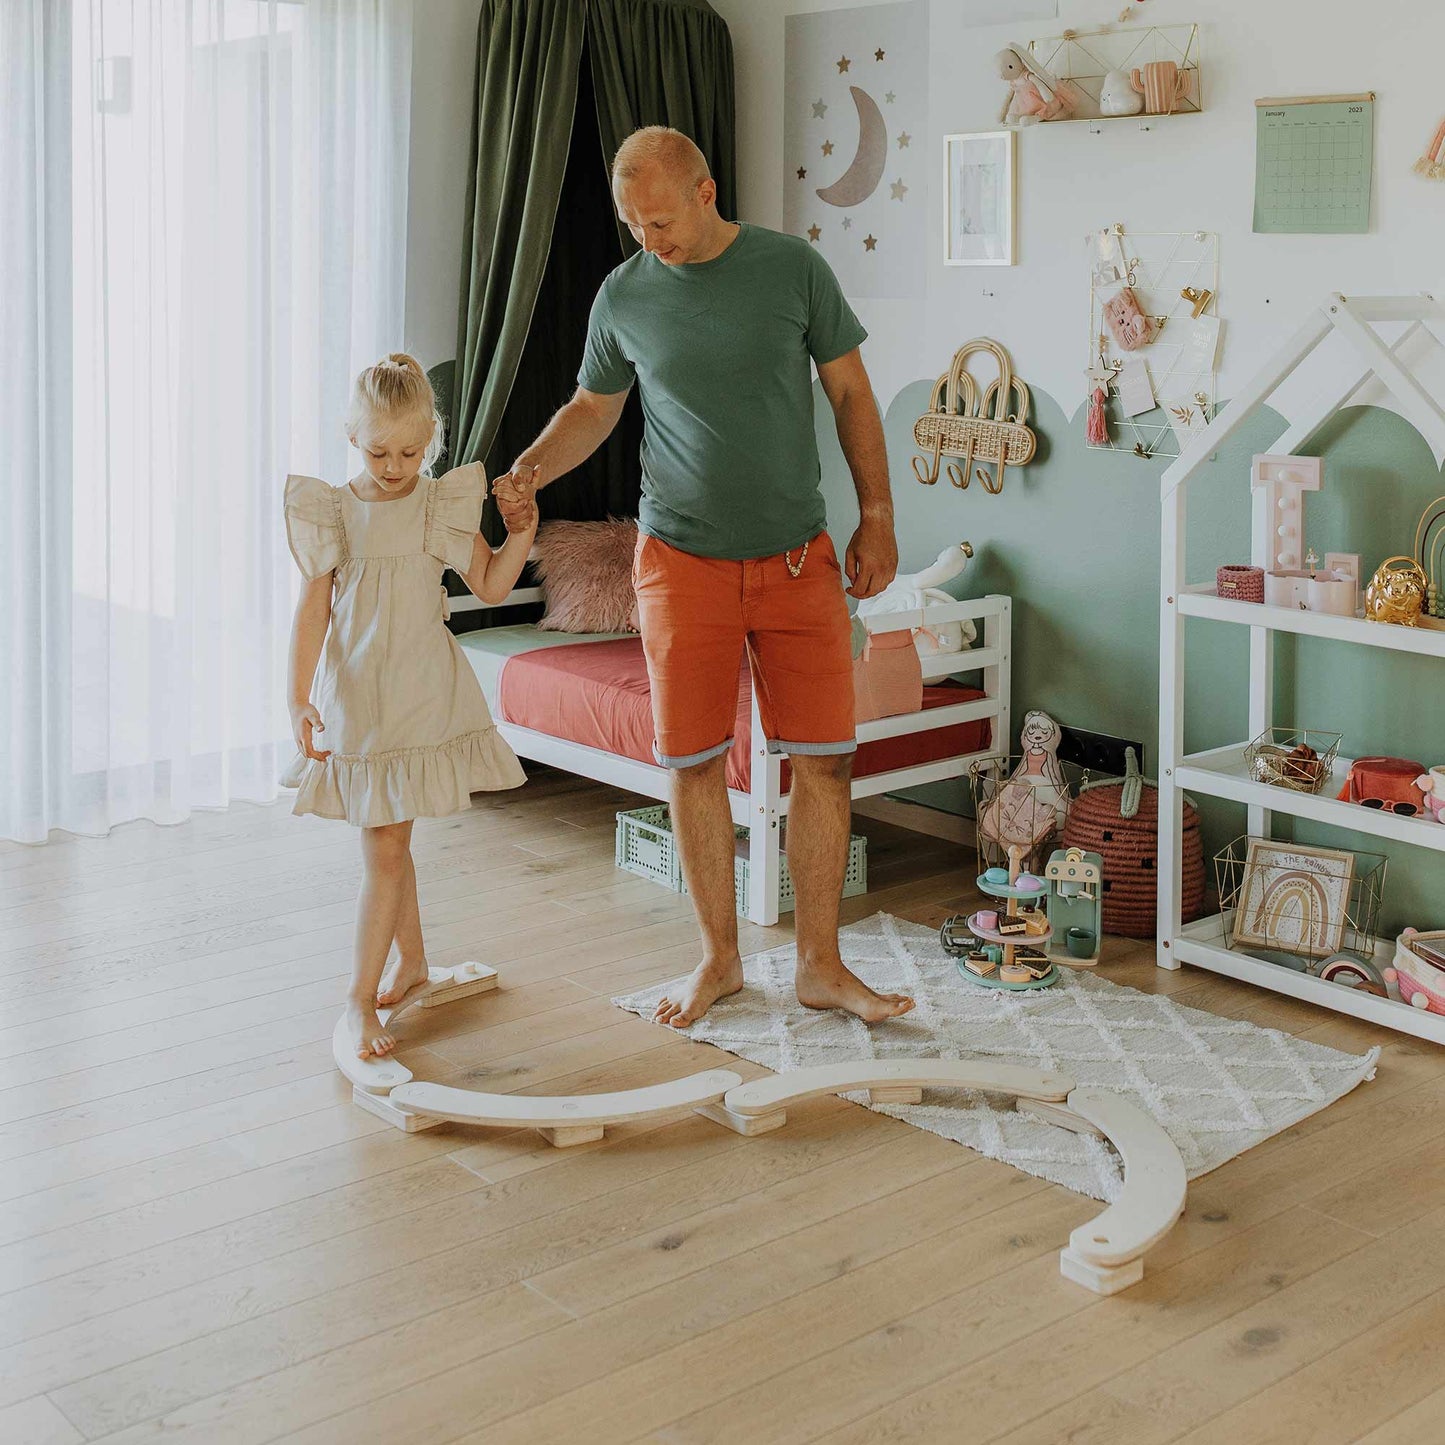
586 569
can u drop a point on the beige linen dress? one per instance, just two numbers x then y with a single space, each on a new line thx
407 725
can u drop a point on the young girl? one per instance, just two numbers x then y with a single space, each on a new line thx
407 731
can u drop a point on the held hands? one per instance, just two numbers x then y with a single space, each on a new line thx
306 721
871 560
516 497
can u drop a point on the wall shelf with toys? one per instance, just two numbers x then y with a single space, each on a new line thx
1363 796
1129 73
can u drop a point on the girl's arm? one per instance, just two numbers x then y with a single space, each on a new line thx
492 575
308 634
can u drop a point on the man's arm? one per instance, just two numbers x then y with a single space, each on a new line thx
573 434
872 557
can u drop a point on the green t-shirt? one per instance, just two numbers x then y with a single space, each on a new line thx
720 352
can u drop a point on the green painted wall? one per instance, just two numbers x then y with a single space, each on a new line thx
1074 539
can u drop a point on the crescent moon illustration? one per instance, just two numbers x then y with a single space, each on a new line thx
861 178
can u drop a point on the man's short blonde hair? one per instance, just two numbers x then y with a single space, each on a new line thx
659 148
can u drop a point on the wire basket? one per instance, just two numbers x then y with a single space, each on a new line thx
1295 904
1029 825
1278 757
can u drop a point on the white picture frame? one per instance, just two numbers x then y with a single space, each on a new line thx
979 187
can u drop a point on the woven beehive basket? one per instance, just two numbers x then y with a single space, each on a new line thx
1130 848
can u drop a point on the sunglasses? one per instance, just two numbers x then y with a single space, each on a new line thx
1405 810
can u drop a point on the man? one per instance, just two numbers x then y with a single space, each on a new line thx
716 323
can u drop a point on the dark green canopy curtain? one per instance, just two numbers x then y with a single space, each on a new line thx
560 85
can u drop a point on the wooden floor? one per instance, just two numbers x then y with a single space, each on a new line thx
202 1239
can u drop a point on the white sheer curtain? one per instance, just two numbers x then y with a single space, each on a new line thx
205 240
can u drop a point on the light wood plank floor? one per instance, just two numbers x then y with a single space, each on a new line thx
202 1239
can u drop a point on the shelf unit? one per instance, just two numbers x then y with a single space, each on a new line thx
1221 772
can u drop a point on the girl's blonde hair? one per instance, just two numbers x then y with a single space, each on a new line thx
392 390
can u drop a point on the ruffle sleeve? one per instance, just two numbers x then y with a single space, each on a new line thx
454 515
314 529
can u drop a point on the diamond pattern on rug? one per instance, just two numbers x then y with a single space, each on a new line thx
1217 1086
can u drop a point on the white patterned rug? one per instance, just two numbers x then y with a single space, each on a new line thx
1218 1086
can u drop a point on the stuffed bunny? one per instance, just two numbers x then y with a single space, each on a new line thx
1034 94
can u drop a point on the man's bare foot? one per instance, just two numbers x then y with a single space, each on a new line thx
705 985
397 980
367 1035
831 985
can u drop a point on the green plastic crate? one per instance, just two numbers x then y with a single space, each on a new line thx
645 846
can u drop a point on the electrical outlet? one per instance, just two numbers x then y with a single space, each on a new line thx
1100 753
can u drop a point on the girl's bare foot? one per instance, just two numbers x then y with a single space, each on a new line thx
824 985
370 1039
398 980
705 985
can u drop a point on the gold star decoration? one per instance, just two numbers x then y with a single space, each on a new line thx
888 97
802 173
819 110
899 190
814 231
847 223
870 243
827 147
877 55
903 139
843 65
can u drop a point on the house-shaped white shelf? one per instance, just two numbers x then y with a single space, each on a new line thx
1222 772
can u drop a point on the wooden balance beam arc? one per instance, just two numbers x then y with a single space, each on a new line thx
1105 1255
564 1119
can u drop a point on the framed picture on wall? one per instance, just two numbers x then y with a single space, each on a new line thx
979 187
1294 898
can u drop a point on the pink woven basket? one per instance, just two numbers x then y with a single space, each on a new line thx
1240 583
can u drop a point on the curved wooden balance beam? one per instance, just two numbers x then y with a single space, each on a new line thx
1105 1255
567 1118
386 1088
443 985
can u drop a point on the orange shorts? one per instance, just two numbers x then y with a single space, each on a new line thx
696 614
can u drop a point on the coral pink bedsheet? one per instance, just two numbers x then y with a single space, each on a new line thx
596 694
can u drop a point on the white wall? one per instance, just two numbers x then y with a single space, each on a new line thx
1186 173
444 53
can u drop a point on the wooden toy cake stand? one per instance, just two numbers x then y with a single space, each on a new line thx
1037 935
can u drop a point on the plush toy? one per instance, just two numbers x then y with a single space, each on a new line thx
1117 96
1034 94
911 591
1032 804
1432 785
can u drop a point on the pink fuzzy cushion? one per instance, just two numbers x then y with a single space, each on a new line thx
586 569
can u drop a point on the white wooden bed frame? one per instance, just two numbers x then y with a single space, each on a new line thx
762 809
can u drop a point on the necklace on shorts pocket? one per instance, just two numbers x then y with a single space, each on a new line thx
802 557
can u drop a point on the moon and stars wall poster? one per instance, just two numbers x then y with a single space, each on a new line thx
855 152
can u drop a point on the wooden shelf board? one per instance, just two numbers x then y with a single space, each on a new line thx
1223 773
1202 944
1200 601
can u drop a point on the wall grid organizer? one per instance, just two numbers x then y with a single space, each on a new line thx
1175 276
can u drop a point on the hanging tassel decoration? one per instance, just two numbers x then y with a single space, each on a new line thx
1431 165
1096 426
